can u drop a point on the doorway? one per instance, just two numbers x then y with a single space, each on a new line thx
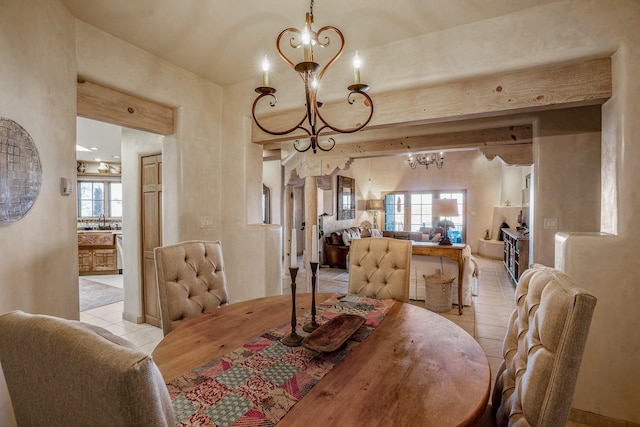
145 123
130 273
99 206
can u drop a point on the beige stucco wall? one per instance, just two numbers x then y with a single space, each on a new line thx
606 264
38 267
252 250
566 178
38 254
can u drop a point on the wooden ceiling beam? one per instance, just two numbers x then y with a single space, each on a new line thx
552 87
99 102
522 134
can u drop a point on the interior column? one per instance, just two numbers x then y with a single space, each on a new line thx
310 219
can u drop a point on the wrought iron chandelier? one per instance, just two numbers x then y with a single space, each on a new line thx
311 74
426 160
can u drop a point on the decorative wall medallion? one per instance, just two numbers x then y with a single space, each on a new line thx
20 171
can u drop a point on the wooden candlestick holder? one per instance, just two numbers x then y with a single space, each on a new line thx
312 326
293 339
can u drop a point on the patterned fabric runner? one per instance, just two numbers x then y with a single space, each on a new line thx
256 384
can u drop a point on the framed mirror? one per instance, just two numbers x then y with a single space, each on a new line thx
346 198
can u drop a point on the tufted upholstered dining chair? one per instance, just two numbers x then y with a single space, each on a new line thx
191 281
542 351
380 268
68 373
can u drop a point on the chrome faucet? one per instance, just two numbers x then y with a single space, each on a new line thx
103 222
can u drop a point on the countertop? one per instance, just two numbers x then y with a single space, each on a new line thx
100 231
517 234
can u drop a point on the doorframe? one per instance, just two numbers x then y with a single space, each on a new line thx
98 102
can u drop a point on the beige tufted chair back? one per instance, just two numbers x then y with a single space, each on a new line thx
68 373
191 281
379 267
542 350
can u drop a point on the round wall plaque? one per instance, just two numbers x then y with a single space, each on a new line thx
20 171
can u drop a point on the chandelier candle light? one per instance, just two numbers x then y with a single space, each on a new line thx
426 160
311 74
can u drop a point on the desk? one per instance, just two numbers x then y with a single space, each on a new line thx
453 252
416 367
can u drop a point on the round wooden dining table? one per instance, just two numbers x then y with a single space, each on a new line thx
415 368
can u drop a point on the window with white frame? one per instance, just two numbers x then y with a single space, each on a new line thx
413 211
99 197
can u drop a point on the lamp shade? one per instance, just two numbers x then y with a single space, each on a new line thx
445 207
374 205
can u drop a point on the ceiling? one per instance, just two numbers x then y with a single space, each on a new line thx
103 140
224 41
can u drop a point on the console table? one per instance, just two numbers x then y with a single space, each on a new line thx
453 252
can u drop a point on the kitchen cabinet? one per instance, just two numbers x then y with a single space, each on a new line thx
97 253
516 252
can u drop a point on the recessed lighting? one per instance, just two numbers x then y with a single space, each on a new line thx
116 156
97 159
81 148
94 148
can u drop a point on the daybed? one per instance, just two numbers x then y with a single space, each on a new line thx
337 243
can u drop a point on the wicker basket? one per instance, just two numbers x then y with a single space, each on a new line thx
438 292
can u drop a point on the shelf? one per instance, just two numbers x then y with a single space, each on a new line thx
516 250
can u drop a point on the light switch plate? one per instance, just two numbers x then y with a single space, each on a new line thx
551 223
206 221
66 186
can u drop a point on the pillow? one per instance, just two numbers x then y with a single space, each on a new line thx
436 237
346 238
354 232
365 233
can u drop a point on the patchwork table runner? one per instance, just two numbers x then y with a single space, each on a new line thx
256 384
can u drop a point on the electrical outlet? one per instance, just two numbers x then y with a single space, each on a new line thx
206 221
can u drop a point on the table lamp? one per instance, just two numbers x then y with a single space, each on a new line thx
373 206
445 208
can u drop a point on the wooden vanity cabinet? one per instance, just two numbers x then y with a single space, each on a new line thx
516 252
97 254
